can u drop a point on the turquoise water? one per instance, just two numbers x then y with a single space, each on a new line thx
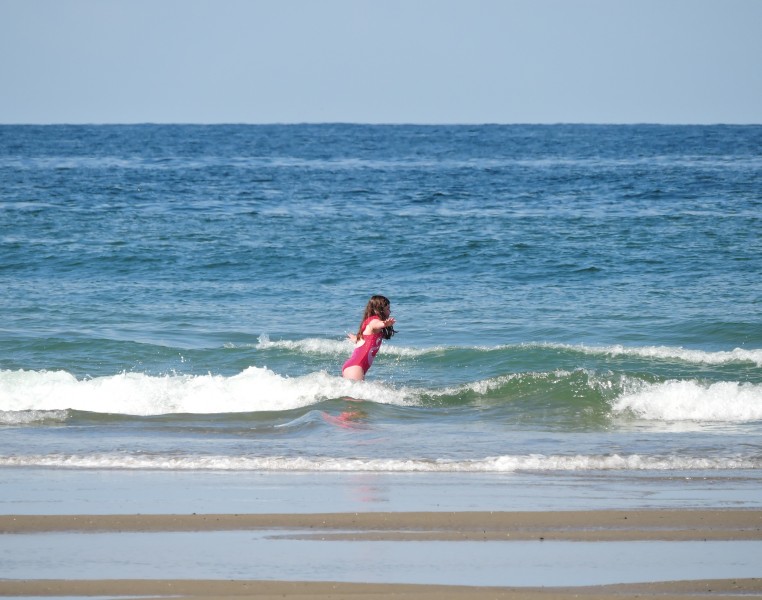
568 298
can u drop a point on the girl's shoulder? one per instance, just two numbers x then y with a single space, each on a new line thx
368 321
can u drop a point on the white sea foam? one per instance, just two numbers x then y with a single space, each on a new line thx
25 417
720 357
694 401
307 346
499 464
255 389
333 347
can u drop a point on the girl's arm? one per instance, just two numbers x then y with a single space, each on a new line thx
374 325
377 324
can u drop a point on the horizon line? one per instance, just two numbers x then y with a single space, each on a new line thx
379 124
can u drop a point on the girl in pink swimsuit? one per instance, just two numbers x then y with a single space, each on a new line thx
376 326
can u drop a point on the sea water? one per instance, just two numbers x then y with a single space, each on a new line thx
260 555
581 301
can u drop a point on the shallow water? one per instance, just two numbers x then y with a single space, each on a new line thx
255 555
116 491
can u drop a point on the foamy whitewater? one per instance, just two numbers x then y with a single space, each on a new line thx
570 299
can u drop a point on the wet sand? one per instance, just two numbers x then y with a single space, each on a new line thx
266 590
603 525
588 526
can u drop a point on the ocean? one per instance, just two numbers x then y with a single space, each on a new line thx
572 302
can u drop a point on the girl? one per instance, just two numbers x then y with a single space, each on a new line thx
377 325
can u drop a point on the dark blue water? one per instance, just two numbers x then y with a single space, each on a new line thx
567 297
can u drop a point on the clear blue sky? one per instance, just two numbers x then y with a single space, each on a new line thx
381 61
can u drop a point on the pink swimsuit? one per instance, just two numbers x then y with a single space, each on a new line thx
363 355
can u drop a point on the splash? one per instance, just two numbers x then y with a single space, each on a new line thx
254 389
694 401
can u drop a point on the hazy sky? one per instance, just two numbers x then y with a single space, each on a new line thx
381 61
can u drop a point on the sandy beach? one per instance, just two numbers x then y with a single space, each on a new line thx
583 526
604 525
266 590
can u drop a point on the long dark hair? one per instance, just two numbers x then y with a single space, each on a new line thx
378 306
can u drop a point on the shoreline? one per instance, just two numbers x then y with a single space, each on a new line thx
592 525
598 527
265 590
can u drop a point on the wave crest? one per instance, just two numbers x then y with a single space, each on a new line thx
693 401
333 347
254 389
720 357
28 397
